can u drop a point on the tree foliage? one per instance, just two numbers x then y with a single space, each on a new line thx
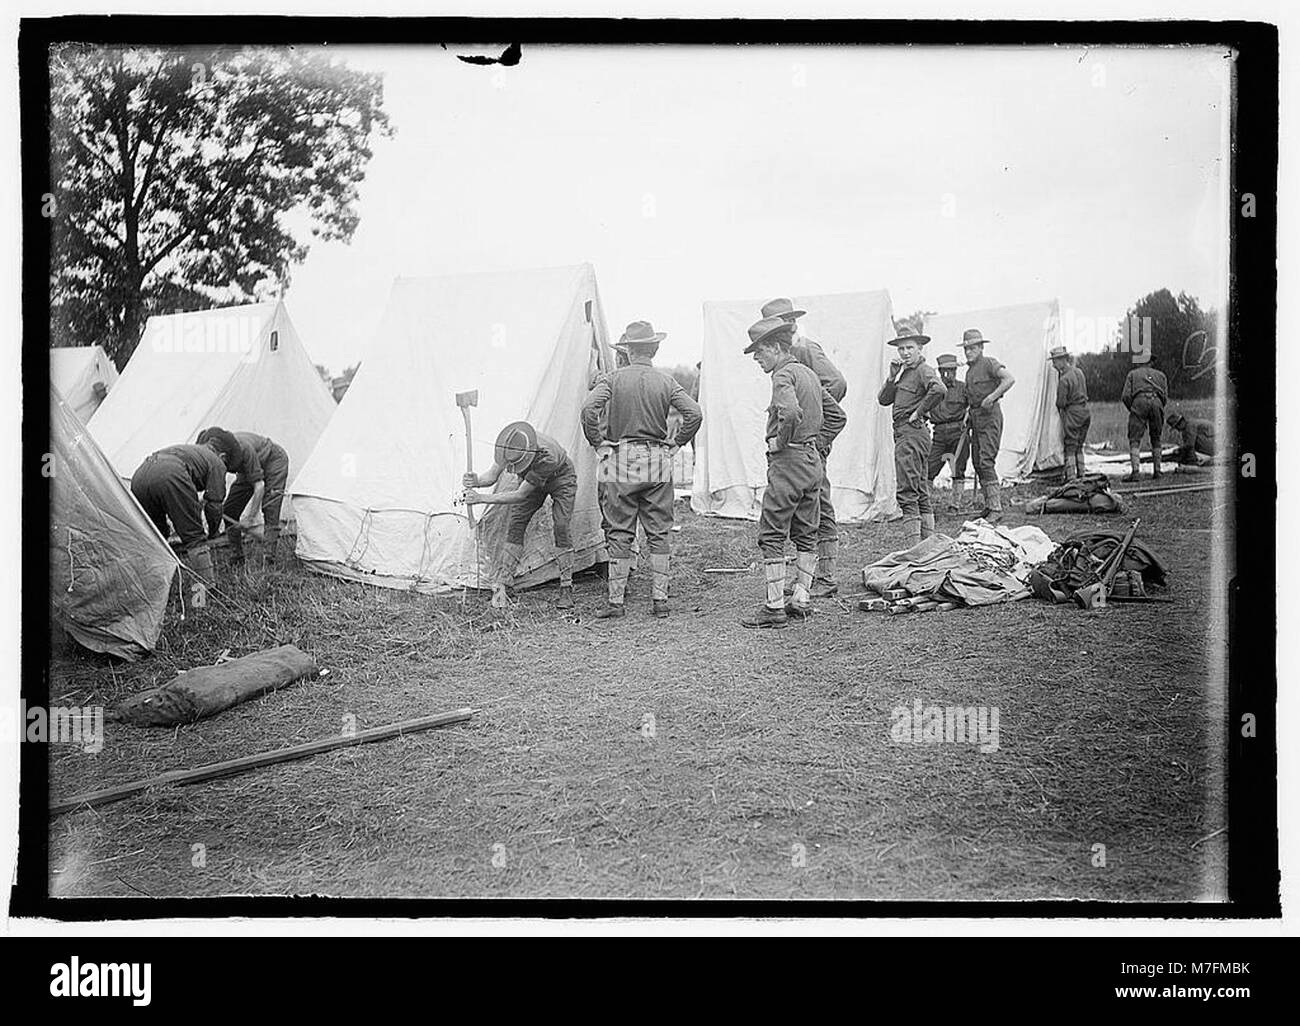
185 179
1182 338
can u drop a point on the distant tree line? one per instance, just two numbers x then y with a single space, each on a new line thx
1181 336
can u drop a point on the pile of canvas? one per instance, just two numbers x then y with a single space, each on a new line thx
83 375
378 500
1020 338
730 452
242 368
110 571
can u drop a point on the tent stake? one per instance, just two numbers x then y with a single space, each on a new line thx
233 767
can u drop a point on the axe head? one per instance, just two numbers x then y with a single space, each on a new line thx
467 399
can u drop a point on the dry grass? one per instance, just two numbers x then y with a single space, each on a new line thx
768 749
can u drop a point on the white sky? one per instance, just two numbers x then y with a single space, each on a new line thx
957 178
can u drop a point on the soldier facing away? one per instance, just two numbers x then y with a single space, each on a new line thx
636 460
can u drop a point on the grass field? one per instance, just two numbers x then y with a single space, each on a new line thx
1110 422
684 758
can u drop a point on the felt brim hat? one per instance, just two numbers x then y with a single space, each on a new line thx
642 333
920 340
1059 353
765 330
973 337
516 446
781 307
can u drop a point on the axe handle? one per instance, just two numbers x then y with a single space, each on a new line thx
469 458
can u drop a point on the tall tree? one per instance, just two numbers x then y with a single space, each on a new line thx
187 178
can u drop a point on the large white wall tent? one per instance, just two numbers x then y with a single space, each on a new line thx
110 571
1020 337
83 375
377 500
243 368
730 460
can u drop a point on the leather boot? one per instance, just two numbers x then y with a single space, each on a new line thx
911 530
958 494
927 525
800 603
564 559
271 544
659 567
618 571
824 584
993 496
198 557
235 538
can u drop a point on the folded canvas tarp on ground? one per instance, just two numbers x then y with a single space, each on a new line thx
74 373
1020 338
730 454
110 571
242 368
377 501
981 566
207 690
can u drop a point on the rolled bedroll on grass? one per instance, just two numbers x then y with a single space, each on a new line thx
208 690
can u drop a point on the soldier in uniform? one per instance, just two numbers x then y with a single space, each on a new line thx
802 421
913 388
1198 437
987 381
1072 405
948 444
168 484
262 473
810 353
636 458
1146 390
544 469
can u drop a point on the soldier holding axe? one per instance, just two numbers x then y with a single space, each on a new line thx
544 469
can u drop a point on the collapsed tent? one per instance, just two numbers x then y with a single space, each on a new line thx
378 500
730 455
83 375
1020 338
110 571
243 368
982 566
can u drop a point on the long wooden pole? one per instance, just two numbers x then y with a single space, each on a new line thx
232 767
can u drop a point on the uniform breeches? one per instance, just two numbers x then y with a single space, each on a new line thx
986 440
165 492
563 489
911 458
791 501
638 487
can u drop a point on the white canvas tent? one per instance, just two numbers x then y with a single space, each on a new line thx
242 368
377 500
110 570
75 371
730 460
1020 337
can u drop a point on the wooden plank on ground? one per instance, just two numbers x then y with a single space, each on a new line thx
233 767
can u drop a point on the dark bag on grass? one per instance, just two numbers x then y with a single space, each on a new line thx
207 690
1087 494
